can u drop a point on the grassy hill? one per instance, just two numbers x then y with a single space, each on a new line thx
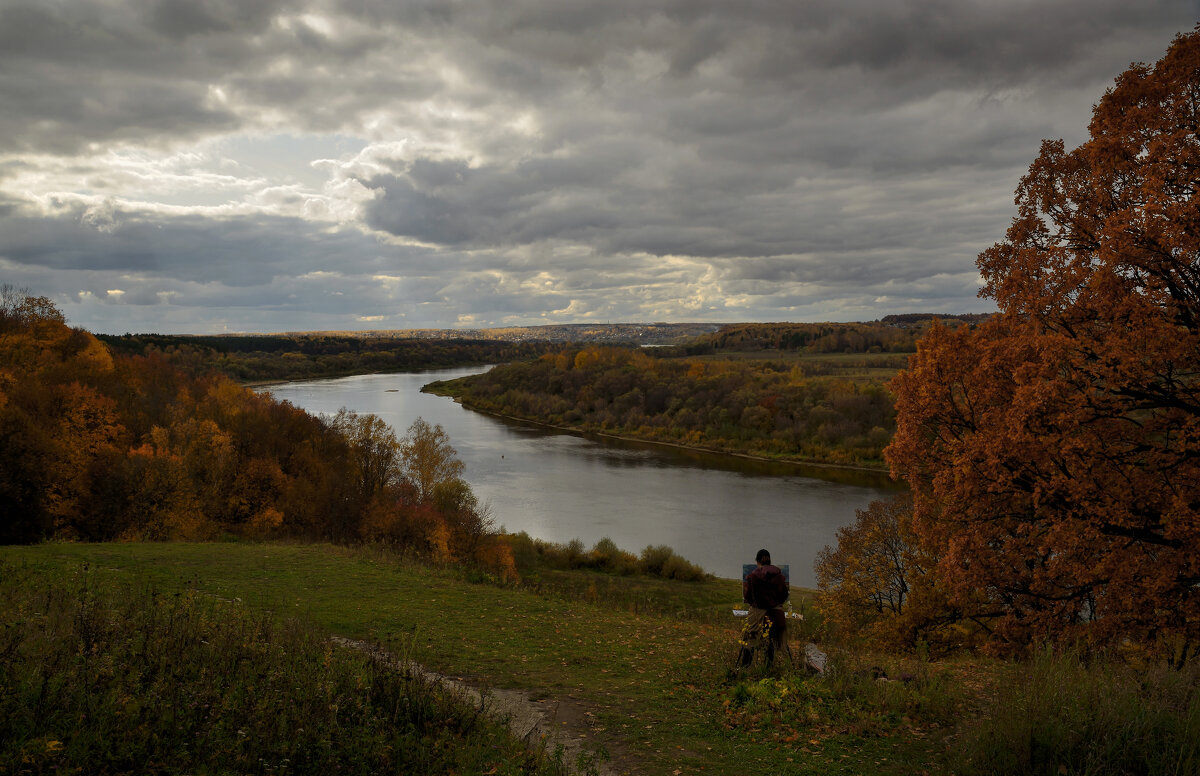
158 658
648 686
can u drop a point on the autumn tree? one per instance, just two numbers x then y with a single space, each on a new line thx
427 458
19 309
877 582
375 447
1054 451
58 433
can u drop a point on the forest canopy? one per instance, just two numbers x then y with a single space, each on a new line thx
275 357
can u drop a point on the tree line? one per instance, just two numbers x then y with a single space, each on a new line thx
890 334
103 445
277 357
764 407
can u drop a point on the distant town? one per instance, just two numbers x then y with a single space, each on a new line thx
641 333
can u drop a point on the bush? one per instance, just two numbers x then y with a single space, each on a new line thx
574 554
676 567
525 552
654 557
661 561
606 556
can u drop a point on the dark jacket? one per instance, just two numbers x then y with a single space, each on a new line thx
765 588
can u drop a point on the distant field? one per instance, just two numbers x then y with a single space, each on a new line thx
852 366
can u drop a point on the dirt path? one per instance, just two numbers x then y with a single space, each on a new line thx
542 723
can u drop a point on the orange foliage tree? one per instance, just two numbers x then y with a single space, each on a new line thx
98 447
878 583
1054 451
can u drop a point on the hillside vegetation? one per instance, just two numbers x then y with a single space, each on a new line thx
98 445
638 670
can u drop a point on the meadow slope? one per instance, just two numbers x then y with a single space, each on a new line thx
642 677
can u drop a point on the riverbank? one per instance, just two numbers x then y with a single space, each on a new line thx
798 462
259 384
879 469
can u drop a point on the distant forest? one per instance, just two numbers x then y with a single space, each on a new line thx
814 392
892 334
267 358
251 358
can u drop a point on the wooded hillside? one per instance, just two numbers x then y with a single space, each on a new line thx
97 445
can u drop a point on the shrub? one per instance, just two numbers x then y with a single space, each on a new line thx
606 556
495 556
574 554
654 557
676 567
661 561
525 551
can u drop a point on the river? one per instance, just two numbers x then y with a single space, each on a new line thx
714 510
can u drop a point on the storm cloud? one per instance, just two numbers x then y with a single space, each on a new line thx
312 164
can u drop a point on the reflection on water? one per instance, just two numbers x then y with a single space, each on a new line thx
714 510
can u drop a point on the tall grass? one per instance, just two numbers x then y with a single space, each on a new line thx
104 679
1061 714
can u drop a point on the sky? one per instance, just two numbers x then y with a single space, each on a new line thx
207 166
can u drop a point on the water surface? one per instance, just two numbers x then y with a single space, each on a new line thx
714 510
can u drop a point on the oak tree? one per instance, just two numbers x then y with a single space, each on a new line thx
1054 451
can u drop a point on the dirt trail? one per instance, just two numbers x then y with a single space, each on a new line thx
544 724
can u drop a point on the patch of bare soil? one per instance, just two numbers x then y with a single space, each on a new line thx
542 723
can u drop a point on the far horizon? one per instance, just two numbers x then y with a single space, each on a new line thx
428 330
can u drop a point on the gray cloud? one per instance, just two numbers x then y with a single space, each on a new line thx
509 162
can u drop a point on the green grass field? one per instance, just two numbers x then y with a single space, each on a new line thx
215 658
649 685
